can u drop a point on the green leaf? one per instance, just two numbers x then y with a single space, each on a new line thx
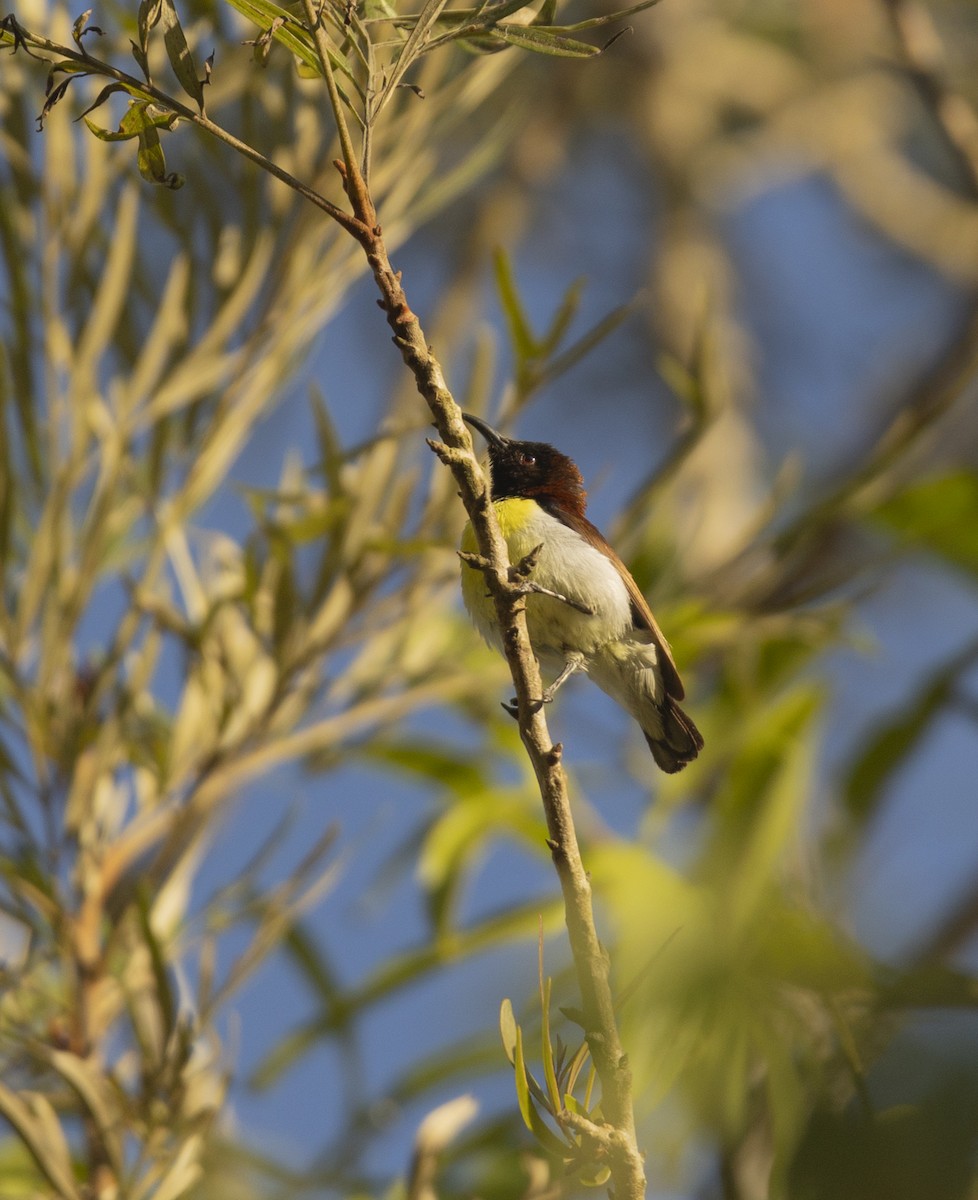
147 18
596 22
544 41
101 98
81 27
151 162
279 24
897 737
521 335
181 60
165 1000
549 1074
140 116
939 515
459 773
96 1093
563 317
528 1110
37 1124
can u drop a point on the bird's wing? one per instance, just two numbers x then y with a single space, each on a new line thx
640 606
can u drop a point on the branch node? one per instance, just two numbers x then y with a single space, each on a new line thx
449 455
526 566
477 561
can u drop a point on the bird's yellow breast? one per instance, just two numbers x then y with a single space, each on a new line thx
514 516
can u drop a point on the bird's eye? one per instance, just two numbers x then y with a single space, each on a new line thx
528 460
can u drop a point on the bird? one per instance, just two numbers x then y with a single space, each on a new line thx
584 611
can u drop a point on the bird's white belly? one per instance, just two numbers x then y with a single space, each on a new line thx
568 565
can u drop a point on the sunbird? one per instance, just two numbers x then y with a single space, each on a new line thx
589 614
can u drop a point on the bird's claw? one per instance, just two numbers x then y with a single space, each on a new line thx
513 706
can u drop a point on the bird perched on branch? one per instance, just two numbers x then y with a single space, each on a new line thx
584 611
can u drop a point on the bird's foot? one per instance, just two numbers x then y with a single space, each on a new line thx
513 706
572 664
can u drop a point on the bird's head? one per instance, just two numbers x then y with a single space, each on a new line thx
532 471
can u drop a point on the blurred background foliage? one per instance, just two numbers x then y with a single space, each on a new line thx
271 855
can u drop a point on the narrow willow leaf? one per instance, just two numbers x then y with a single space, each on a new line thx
508 1029
81 27
181 60
56 93
147 18
414 47
101 98
282 26
520 332
563 317
97 1095
152 163
549 1074
184 1171
596 22
480 18
528 1110
141 115
574 1069
545 41
37 1124
579 349
165 999
522 1081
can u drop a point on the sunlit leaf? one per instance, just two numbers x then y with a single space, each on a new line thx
528 1110
939 515
508 1029
99 1098
37 1124
549 1074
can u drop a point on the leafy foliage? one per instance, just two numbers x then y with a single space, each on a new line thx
155 668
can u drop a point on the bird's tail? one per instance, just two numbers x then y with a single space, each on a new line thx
629 672
673 739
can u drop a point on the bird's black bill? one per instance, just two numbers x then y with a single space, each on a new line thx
491 435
